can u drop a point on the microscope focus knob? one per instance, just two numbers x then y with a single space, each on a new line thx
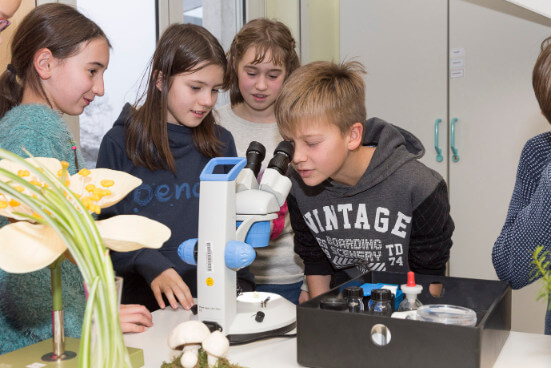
188 251
238 254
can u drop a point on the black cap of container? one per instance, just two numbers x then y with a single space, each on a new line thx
353 292
381 294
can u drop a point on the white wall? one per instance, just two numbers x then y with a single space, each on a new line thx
130 27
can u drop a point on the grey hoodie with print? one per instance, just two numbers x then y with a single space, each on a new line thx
396 218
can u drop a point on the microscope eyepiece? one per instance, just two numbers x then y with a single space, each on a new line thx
255 154
283 154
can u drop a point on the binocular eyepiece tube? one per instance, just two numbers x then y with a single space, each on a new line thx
255 155
283 154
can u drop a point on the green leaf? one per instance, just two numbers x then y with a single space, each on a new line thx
541 261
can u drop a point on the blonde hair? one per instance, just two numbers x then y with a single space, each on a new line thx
541 78
265 35
322 90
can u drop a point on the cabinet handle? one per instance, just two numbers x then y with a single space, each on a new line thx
455 156
439 156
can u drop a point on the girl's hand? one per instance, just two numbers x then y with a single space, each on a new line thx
134 318
304 297
174 288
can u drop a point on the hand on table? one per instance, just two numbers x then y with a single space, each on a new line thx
174 288
134 318
304 297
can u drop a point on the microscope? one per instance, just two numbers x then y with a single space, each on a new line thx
235 214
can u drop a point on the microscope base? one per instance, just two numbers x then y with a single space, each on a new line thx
261 315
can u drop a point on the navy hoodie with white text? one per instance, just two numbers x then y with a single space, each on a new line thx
170 198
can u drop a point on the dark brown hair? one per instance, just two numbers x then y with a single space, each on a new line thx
541 78
181 49
58 27
265 35
323 91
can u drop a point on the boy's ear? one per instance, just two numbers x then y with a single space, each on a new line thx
355 136
159 81
43 62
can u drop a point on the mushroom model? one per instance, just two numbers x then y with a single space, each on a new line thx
216 346
188 335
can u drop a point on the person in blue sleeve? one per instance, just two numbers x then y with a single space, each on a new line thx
528 221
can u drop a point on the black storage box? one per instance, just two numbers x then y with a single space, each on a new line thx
337 339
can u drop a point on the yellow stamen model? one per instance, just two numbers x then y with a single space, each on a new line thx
84 172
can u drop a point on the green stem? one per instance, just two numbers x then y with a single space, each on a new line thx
85 340
57 290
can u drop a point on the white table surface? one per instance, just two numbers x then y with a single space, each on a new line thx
524 350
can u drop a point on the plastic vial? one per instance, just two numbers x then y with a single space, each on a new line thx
354 298
381 302
411 290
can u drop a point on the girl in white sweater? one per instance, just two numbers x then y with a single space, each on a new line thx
261 56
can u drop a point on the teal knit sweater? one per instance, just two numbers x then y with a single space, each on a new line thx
25 299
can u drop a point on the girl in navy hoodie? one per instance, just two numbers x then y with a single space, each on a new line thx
166 142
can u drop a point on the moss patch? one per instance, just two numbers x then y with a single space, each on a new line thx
201 363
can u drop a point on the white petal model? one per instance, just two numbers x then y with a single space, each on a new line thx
7 205
51 164
120 184
126 233
96 188
27 247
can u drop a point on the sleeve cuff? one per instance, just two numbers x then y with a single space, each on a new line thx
150 264
304 286
318 268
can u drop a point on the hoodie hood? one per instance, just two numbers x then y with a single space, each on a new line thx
390 137
127 109
394 147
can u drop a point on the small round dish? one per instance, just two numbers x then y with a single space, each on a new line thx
447 314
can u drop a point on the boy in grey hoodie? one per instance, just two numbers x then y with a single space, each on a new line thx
360 199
